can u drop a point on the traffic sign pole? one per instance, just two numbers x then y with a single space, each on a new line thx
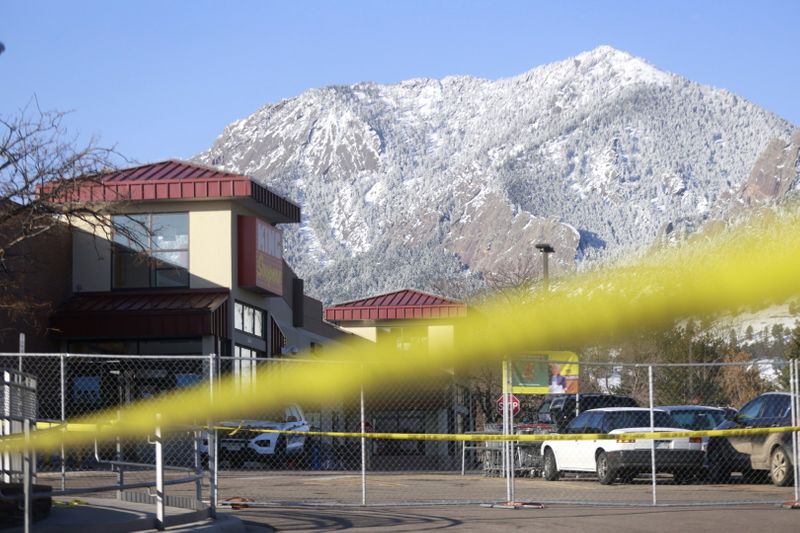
507 430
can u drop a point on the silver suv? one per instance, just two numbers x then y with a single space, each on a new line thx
755 454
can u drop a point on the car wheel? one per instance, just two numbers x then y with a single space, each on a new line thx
780 467
550 470
605 474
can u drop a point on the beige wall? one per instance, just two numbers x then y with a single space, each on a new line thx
210 238
440 338
91 263
368 332
91 258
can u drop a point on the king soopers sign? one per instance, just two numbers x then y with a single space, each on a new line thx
260 256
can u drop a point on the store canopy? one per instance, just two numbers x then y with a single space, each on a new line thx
145 314
398 305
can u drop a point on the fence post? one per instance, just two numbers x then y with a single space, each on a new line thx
159 521
27 473
463 456
198 465
119 468
363 445
212 444
508 430
794 385
63 421
21 349
652 429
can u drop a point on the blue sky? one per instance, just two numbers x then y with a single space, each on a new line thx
160 79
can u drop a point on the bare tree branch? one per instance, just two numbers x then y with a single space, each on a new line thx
42 171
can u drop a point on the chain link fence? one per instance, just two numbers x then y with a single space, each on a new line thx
162 468
425 450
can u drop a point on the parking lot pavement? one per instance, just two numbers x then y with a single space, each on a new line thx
432 488
764 518
424 493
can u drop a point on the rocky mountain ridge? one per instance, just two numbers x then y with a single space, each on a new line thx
438 184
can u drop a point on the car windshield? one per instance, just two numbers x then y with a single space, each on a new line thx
697 419
544 408
636 419
776 406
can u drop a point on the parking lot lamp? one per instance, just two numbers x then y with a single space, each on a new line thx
546 250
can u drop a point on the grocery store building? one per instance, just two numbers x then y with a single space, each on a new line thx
195 267
398 321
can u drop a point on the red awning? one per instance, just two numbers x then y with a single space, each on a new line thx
398 305
150 314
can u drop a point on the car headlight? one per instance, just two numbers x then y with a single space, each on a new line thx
263 443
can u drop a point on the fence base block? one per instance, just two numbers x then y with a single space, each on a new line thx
514 505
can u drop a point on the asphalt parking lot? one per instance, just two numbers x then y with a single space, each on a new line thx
694 507
551 518
424 488
344 488
415 501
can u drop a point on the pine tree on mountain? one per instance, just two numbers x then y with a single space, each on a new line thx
793 348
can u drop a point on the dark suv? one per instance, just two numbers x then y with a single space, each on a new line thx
564 408
752 454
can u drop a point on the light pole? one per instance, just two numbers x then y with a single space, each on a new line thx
546 250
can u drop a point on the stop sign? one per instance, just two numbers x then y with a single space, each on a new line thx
501 403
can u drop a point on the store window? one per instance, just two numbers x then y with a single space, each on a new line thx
242 352
404 338
245 366
151 251
248 319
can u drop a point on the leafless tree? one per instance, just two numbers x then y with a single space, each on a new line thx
516 282
42 168
742 382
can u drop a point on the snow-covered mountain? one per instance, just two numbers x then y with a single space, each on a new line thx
438 183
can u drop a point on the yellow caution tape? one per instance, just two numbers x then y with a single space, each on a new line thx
753 265
68 426
537 437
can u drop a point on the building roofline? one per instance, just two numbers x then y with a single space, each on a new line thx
173 180
406 289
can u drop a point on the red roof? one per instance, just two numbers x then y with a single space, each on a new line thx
398 305
179 180
163 313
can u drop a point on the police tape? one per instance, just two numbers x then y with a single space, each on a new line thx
536 437
233 431
43 425
711 273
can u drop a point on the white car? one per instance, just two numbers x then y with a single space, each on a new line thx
622 457
247 440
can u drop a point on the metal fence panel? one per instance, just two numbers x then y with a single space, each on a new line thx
258 462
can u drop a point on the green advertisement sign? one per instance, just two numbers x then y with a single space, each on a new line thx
545 373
